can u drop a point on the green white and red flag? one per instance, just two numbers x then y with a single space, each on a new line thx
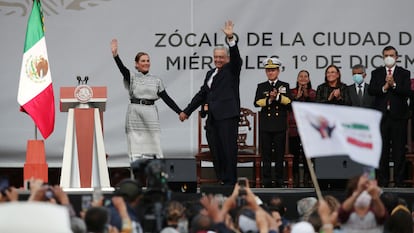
35 94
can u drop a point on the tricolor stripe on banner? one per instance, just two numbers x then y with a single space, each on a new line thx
35 94
358 135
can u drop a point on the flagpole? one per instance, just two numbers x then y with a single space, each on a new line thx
314 180
38 102
35 132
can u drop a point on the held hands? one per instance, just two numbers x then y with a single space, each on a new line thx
182 116
114 47
228 29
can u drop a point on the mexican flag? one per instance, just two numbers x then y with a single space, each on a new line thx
35 94
334 130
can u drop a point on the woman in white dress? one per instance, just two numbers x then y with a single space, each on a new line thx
142 121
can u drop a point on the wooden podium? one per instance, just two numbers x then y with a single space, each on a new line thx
84 158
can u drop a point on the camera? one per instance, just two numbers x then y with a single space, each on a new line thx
156 193
242 181
4 185
49 193
241 198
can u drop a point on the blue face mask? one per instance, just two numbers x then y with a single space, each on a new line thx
358 78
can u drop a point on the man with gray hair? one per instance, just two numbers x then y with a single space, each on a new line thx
220 97
358 91
305 207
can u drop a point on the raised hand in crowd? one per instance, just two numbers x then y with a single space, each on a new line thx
264 221
375 192
60 195
9 194
121 207
328 217
37 190
362 184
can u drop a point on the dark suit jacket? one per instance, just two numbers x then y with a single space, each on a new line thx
324 90
272 117
223 97
367 99
397 97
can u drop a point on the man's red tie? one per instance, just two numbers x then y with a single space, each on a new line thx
388 101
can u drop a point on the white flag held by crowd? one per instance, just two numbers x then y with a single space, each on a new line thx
334 130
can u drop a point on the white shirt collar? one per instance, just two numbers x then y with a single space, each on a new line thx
392 69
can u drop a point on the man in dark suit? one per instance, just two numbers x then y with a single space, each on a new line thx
391 87
221 99
274 98
358 92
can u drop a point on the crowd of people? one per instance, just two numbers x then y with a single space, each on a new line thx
366 208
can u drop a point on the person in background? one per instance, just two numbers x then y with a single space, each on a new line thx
332 91
303 92
305 207
142 120
333 204
273 97
362 210
8 195
391 87
259 220
276 203
358 91
220 96
130 191
328 217
400 220
96 220
175 213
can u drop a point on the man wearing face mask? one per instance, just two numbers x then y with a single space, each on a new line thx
358 92
390 86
